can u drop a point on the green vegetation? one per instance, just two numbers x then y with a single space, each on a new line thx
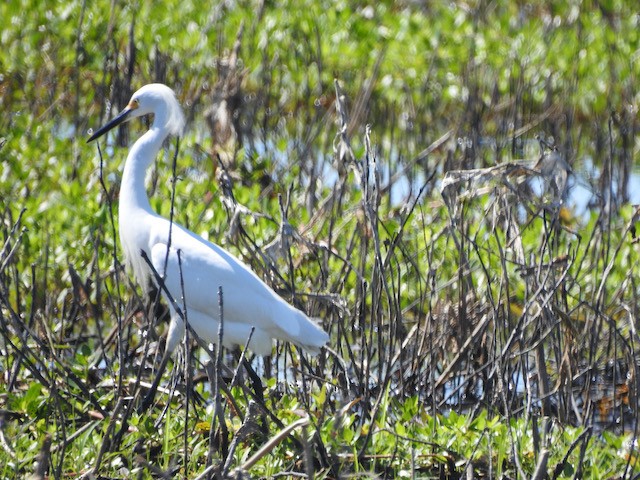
475 325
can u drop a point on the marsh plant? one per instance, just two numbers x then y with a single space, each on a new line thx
449 188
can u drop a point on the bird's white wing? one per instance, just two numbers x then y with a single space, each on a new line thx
203 267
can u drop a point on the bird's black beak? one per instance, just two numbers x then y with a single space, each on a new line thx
122 117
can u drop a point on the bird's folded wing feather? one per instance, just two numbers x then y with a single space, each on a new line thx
203 267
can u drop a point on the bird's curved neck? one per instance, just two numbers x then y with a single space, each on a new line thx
133 194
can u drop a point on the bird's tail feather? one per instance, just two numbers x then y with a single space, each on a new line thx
310 336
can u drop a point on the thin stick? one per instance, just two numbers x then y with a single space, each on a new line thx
173 199
242 358
275 440
116 279
161 287
218 377
187 370
15 245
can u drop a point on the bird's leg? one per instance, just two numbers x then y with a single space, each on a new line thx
148 399
267 367
155 309
176 332
256 382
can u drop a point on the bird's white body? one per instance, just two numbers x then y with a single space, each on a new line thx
247 301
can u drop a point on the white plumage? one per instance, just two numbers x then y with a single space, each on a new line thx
248 301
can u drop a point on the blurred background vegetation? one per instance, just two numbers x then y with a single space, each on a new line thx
467 305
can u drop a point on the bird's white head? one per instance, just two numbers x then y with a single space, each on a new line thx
156 99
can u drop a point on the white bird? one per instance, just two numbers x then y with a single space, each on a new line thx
248 301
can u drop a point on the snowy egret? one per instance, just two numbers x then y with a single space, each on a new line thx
248 301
